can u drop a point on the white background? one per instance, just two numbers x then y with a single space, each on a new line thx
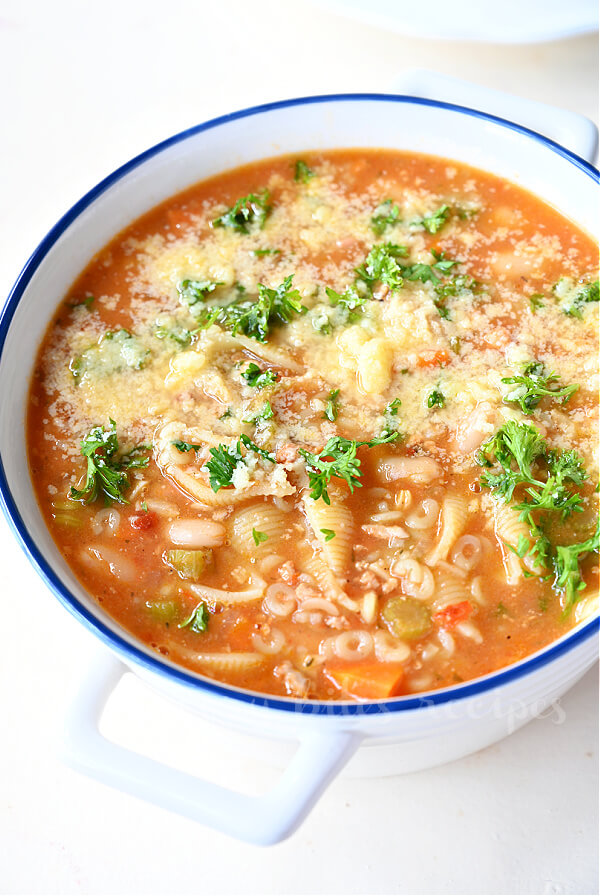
83 87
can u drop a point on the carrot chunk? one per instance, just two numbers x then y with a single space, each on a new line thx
433 359
371 681
453 614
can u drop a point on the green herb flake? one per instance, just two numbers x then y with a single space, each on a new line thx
250 212
328 533
258 378
260 253
536 302
533 385
185 446
433 223
259 537
256 318
352 304
106 472
387 214
302 173
225 459
436 399
197 621
144 506
331 409
518 458
339 460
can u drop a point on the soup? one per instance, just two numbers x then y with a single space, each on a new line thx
326 427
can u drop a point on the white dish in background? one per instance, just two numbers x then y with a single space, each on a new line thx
510 22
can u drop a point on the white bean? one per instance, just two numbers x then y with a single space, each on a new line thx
197 533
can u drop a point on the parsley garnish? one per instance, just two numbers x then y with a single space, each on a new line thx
225 459
434 222
436 399
350 301
198 620
255 318
577 299
85 303
302 173
521 457
339 460
266 413
259 537
533 385
249 212
387 214
328 533
260 252
331 409
536 302
105 472
194 292
178 334
381 266
258 378
185 446
566 566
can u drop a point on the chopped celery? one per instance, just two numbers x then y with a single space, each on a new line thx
164 611
189 564
406 618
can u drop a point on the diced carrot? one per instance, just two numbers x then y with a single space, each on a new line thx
453 614
371 681
433 358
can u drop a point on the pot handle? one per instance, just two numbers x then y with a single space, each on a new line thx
262 820
571 130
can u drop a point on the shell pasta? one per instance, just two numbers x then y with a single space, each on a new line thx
326 427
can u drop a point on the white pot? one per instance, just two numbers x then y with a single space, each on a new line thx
399 735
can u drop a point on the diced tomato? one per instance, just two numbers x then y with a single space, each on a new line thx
371 681
453 614
142 521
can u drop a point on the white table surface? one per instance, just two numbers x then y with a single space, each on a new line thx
85 86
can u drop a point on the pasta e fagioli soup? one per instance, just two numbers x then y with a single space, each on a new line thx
326 427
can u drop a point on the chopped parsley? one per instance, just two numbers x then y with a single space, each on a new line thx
85 303
198 619
249 212
535 301
106 474
436 399
225 459
575 296
265 413
331 408
259 537
258 378
352 304
194 292
256 317
381 266
260 252
534 385
185 446
178 334
302 173
144 506
387 214
328 533
520 460
390 417
339 460
434 222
